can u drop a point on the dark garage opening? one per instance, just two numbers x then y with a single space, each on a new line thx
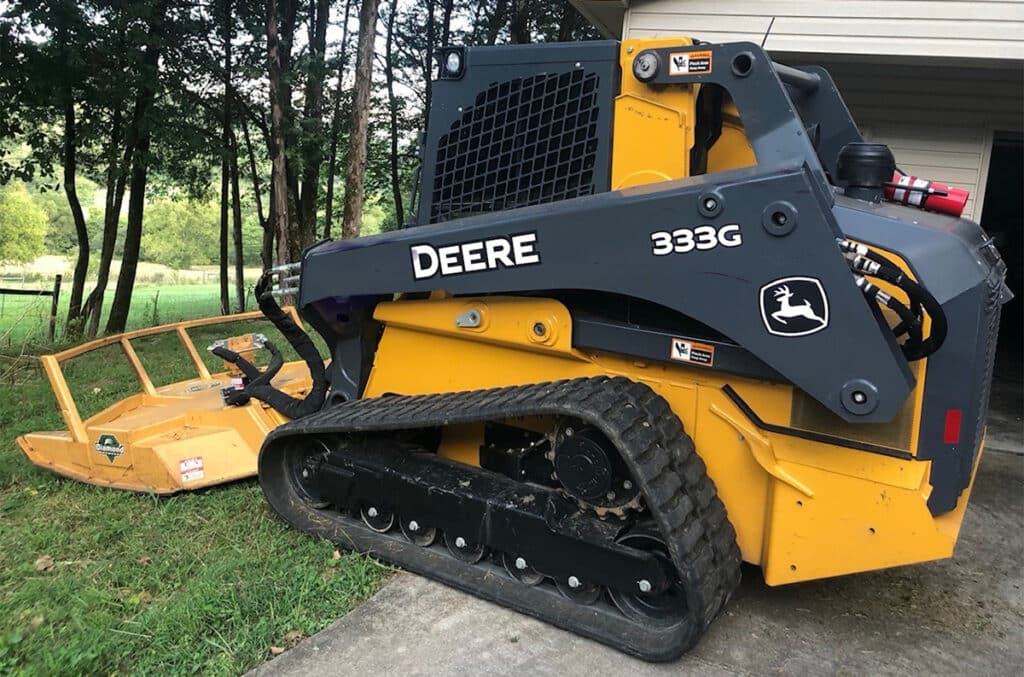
1003 218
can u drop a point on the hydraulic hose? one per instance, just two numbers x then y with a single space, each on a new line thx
868 262
251 371
285 404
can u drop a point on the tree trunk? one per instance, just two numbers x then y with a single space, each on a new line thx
446 22
236 209
396 185
82 263
117 179
122 302
567 23
355 162
428 64
313 157
267 249
495 21
225 303
279 179
520 28
225 137
332 164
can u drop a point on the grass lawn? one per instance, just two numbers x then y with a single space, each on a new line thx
26 318
203 582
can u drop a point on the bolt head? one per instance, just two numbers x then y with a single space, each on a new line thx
305 473
520 563
539 329
627 485
569 432
414 526
574 582
859 397
710 204
460 542
644 585
610 495
372 512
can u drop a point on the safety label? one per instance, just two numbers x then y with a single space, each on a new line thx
693 352
191 469
689 63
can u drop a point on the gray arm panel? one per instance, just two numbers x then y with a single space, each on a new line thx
603 243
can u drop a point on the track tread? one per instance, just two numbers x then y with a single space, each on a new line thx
679 495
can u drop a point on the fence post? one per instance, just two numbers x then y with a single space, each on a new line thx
54 300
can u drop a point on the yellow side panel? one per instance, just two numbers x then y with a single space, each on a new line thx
732 150
802 509
653 127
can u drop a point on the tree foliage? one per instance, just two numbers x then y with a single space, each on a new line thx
151 108
22 225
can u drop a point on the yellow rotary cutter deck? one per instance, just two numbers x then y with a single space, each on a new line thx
162 439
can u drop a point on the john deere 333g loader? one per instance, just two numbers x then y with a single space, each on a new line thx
662 311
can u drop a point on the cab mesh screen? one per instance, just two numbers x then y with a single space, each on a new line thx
523 142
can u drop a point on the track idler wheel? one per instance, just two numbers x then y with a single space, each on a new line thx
304 466
463 549
668 606
519 569
417 532
377 518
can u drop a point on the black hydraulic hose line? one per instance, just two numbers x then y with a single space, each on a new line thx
251 371
908 322
918 295
285 404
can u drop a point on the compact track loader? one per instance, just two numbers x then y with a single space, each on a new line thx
656 317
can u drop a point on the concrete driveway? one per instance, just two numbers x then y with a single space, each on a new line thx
960 616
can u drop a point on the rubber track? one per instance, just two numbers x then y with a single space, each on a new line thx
679 495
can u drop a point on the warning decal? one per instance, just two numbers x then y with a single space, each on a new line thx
689 63
191 469
693 352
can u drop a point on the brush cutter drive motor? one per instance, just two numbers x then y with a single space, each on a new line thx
662 310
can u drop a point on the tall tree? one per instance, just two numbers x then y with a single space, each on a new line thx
236 213
312 155
355 162
226 161
142 124
279 177
332 164
389 72
66 14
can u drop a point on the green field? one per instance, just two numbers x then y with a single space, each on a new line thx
26 318
205 582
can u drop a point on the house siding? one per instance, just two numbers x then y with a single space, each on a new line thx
939 121
922 28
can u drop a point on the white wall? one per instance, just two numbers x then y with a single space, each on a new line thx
939 121
908 28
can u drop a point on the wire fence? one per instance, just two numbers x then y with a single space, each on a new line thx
25 320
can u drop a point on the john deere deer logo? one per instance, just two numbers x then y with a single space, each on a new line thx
794 306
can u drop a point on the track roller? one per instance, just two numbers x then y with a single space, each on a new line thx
464 549
418 533
377 518
519 569
579 591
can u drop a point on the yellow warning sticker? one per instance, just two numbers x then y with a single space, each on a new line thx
684 350
689 63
